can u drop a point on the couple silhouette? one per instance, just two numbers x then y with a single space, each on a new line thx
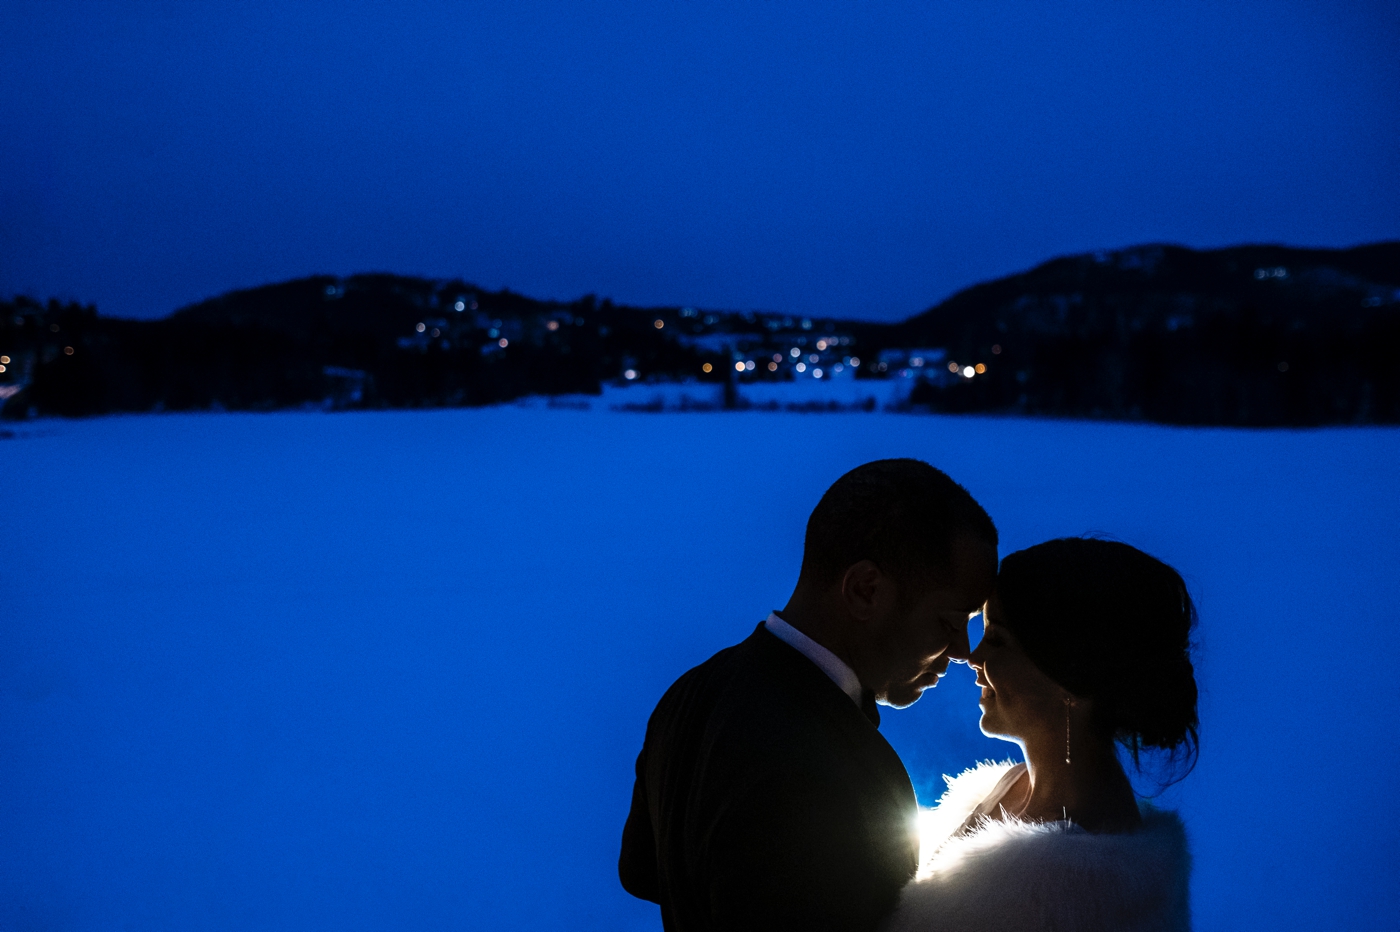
767 799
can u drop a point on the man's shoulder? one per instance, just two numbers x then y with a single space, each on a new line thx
757 700
759 670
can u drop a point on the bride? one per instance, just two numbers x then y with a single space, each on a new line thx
1086 647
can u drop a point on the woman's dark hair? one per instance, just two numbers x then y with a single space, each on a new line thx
1109 623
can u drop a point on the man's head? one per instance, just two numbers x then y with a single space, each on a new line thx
898 557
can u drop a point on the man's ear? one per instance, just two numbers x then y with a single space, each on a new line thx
866 590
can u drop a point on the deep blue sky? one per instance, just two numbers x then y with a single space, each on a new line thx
855 159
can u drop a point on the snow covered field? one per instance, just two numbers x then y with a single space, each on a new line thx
388 671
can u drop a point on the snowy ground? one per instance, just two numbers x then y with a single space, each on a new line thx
388 671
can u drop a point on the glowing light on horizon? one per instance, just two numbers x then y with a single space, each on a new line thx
739 366
503 343
980 367
801 367
658 323
952 367
794 352
968 372
707 368
421 327
630 374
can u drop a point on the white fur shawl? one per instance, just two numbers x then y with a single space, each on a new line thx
1020 876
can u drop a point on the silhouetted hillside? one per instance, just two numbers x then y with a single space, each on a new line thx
1253 335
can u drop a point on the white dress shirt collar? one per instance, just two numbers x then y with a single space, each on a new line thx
830 664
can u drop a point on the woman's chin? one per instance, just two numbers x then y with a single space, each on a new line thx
991 727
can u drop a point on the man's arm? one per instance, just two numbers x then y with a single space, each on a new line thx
801 854
637 864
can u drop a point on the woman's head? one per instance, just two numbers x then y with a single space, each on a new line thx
1093 620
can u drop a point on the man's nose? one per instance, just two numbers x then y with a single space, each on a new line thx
958 648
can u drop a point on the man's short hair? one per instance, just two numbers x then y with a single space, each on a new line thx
901 514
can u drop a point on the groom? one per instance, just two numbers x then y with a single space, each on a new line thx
766 798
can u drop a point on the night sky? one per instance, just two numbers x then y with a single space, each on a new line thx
851 159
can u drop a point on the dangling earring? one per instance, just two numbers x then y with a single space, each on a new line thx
1069 703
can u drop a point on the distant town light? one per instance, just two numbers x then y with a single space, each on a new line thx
952 367
996 349
459 305
806 323
855 362
658 323
749 365
814 358
437 332
5 360
2 367
794 352
917 362
980 367
968 372
707 368
837 368
739 366
421 327
801 367
821 344
552 325
503 343
816 373
630 374
777 357
772 367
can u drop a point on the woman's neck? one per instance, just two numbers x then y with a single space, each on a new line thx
1092 791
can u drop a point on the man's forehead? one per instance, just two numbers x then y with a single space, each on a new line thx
975 563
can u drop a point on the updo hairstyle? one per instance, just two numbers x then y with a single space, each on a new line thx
1109 623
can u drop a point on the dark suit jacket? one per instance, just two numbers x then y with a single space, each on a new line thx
766 800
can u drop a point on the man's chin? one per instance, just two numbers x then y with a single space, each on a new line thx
904 696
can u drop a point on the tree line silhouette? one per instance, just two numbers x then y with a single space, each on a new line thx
1249 336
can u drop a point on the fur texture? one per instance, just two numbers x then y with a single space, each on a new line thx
1016 875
